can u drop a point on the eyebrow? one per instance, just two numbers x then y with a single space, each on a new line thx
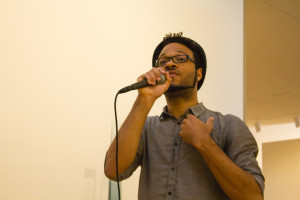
177 51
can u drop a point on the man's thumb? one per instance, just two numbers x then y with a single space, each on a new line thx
210 122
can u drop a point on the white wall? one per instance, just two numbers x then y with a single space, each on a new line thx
274 133
61 63
281 169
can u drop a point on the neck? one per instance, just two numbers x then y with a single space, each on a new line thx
180 101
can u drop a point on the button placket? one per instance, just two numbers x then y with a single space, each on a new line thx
173 167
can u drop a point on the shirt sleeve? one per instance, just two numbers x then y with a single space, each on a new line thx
135 164
241 148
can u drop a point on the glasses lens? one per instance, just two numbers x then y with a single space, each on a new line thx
180 59
162 62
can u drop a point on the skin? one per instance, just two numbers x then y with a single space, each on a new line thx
235 182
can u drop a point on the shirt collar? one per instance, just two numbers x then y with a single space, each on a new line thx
196 110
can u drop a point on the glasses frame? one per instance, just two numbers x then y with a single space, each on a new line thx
172 58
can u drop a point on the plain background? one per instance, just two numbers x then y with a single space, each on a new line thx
281 168
61 64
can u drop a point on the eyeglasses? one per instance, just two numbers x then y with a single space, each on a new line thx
161 62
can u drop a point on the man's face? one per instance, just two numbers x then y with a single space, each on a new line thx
183 74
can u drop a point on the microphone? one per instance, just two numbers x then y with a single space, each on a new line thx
141 84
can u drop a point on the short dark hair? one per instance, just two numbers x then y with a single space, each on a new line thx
199 54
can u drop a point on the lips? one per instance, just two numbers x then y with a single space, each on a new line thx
173 73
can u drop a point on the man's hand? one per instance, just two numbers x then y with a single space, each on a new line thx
195 132
152 77
235 182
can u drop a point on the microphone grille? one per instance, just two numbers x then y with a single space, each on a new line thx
162 79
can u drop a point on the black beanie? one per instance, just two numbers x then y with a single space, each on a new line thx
199 54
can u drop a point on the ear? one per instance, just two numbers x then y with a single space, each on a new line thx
199 74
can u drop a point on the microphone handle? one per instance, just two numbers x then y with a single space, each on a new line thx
134 86
141 84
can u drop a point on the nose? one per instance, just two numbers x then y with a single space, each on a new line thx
170 64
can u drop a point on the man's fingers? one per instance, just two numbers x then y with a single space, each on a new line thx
190 116
157 73
168 78
210 121
153 76
140 78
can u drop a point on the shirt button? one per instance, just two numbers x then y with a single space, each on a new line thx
169 193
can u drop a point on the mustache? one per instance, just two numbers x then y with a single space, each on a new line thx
173 71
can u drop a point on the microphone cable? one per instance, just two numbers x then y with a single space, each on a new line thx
117 144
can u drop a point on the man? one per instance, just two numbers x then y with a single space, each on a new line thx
188 152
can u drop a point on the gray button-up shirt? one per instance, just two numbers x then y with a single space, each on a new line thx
172 169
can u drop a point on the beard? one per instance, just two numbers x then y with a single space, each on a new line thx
174 88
